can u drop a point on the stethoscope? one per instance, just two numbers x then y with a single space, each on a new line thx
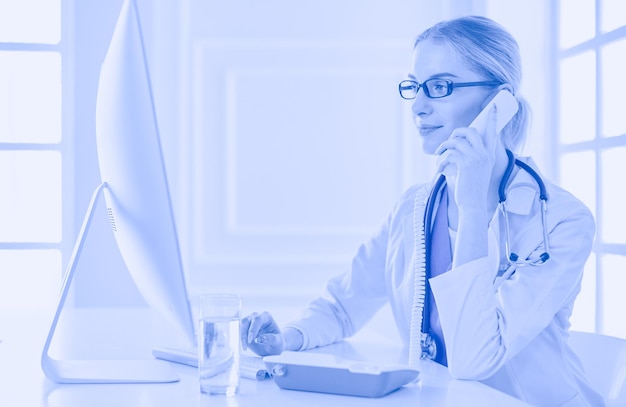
427 342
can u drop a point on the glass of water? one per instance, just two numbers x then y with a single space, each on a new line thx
218 343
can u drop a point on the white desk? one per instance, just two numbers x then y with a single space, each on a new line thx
22 382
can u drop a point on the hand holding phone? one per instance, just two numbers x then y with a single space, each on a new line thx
506 105
506 108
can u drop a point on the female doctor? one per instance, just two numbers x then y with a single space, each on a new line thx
486 291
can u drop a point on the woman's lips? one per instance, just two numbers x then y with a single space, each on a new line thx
427 129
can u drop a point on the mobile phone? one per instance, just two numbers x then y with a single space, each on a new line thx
507 106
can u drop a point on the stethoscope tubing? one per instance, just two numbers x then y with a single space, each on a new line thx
511 257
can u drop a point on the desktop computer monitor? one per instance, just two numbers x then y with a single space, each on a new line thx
131 163
136 192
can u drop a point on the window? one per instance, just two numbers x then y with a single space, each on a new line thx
34 140
590 149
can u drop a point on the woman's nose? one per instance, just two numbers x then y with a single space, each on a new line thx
421 104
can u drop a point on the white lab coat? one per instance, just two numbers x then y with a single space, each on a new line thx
508 330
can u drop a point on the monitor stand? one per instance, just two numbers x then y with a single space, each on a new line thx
97 371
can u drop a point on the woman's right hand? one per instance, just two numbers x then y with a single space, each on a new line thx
261 334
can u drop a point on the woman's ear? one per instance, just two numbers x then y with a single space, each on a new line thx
494 92
506 86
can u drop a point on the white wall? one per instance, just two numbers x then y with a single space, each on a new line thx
348 159
180 39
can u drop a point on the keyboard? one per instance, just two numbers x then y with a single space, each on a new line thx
250 367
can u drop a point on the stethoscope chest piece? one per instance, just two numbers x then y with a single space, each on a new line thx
429 346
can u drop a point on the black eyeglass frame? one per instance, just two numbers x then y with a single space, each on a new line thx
451 85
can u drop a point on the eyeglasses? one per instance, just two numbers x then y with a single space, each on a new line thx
436 88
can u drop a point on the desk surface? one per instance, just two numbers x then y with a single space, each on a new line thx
23 383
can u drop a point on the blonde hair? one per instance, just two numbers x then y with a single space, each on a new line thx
491 51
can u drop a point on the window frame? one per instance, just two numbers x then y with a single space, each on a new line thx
65 147
597 145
